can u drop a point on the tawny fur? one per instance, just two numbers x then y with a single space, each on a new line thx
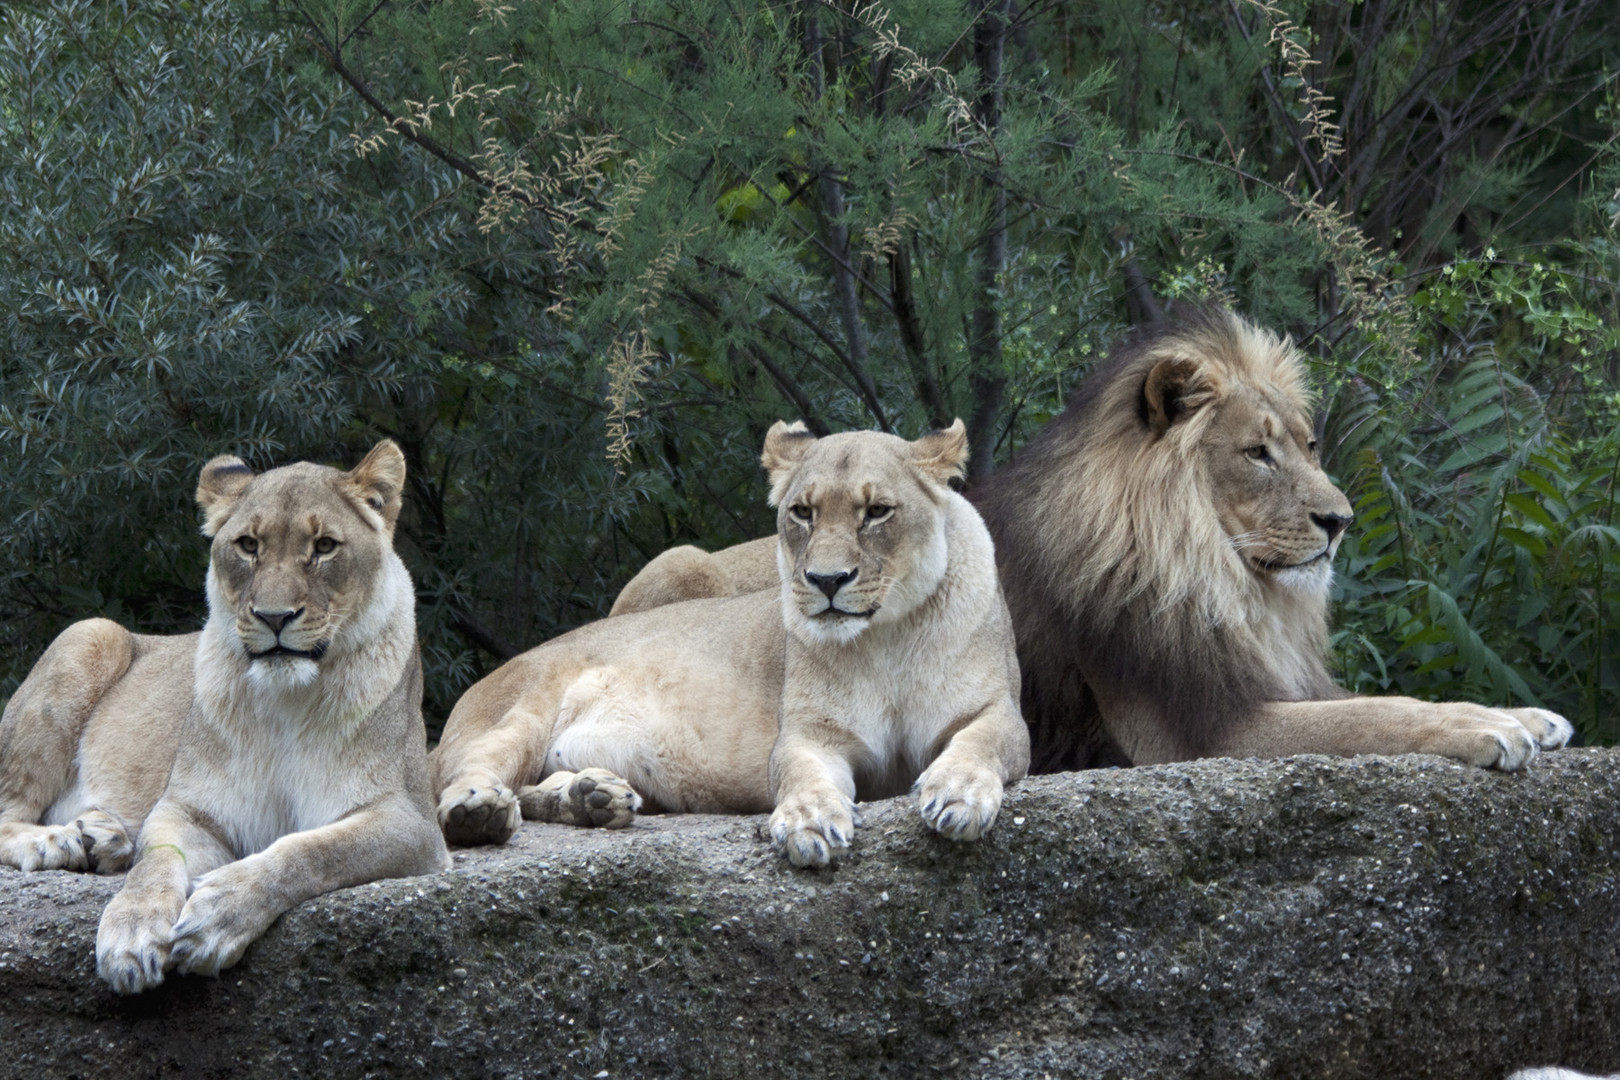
259 765
1169 593
899 670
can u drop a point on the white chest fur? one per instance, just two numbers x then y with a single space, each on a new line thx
270 753
898 687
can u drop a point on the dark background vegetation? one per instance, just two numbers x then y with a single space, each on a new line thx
576 256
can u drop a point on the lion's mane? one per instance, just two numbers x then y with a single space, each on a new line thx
1114 561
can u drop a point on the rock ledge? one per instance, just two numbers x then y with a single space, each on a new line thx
1378 917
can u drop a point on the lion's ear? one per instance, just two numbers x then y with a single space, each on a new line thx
219 488
1176 387
943 454
785 445
378 482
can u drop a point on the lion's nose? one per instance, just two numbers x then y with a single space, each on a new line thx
831 583
1332 524
275 620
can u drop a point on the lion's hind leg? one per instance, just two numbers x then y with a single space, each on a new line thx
592 798
108 846
41 847
473 813
476 802
40 733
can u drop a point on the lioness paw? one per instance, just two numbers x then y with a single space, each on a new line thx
957 802
810 829
1550 730
592 798
107 846
226 912
483 814
43 847
132 947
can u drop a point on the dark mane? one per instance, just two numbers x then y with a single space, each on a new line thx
1101 592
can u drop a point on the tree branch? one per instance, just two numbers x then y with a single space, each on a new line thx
480 636
987 376
911 339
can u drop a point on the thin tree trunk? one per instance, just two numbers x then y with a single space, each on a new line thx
911 339
987 376
831 189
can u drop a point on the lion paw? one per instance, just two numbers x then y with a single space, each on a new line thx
593 798
43 847
225 913
1550 730
472 815
107 846
132 946
810 829
959 803
1482 736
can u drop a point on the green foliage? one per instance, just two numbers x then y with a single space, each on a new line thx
1484 561
175 281
575 257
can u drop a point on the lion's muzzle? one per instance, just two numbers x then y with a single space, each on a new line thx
285 626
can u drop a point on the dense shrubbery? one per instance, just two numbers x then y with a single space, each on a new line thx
576 256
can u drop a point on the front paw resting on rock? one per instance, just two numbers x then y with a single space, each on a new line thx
958 801
810 828
228 910
132 944
478 814
1550 730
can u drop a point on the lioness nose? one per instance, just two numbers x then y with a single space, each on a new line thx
831 583
275 620
1332 524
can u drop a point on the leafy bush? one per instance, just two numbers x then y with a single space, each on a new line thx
575 257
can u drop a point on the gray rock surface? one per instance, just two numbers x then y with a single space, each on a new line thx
1308 918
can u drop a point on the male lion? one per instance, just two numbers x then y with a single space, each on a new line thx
1166 547
886 650
289 731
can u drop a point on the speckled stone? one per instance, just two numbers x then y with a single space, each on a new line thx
1306 918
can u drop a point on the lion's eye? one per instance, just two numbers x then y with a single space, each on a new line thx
248 545
1311 446
802 513
325 545
1257 453
878 512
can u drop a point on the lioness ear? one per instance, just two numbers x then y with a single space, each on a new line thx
378 482
219 488
943 454
785 445
1176 387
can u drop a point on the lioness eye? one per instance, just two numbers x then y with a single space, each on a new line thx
1258 453
1311 446
325 546
248 545
801 512
877 512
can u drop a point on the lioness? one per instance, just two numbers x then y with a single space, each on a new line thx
1166 548
885 650
292 723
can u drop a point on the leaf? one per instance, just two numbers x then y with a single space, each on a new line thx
1474 452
